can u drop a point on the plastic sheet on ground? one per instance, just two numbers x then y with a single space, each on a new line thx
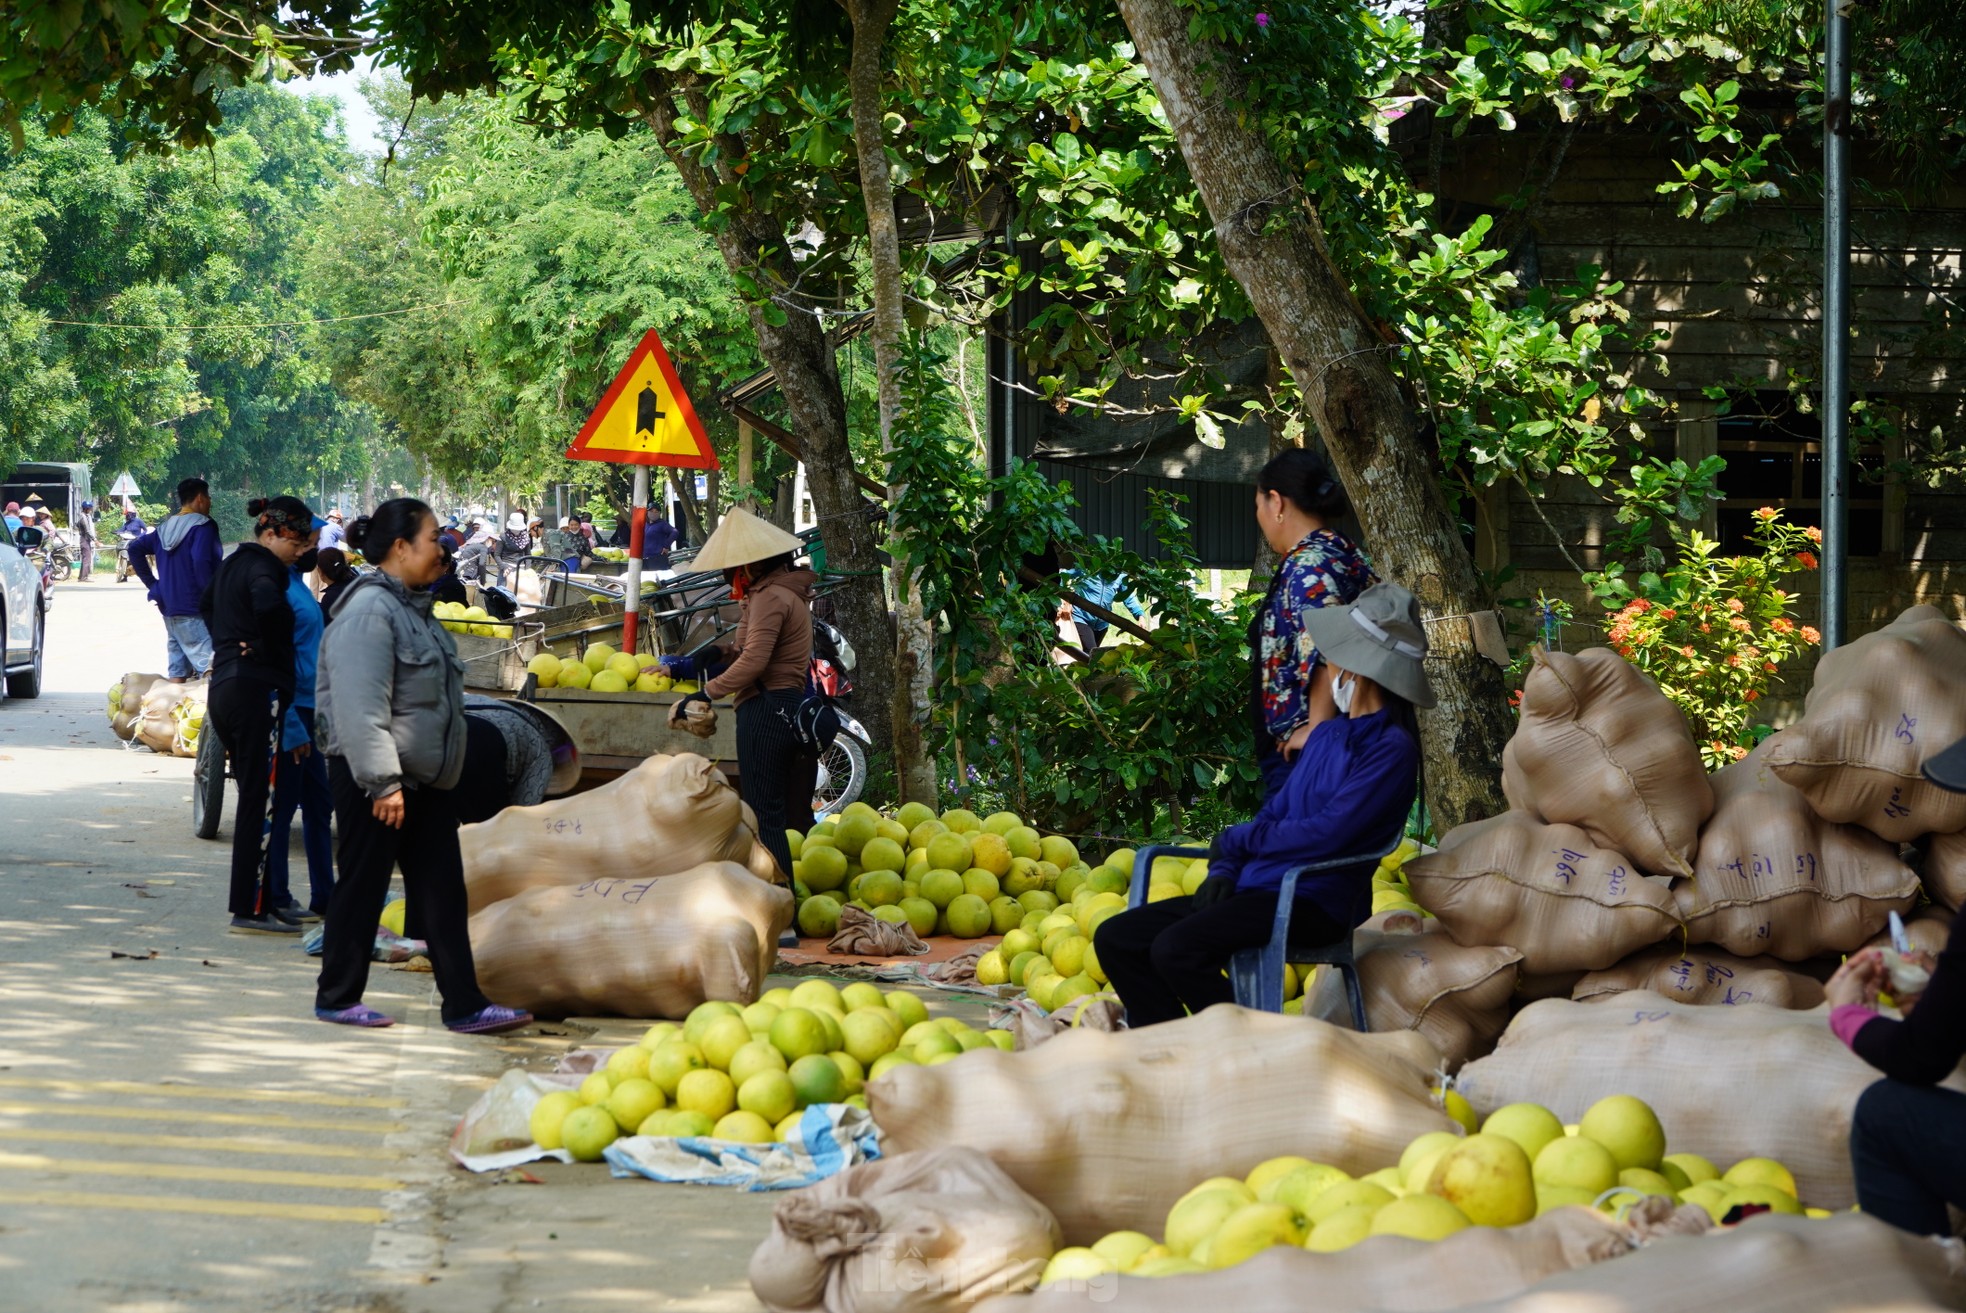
496 1132
388 947
832 1138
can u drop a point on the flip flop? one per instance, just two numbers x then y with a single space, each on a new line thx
490 1021
359 1015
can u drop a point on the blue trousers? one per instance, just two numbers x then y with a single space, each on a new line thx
1908 1146
302 784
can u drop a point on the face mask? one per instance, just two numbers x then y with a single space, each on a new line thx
1342 689
307 561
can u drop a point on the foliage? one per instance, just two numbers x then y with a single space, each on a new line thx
1714 630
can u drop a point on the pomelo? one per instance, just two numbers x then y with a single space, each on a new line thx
920 914
990 853
632 1102
703 1014
870 1032
743 1127
910 814
1000 823
1267 1173
819 918
595 1089
1253 1228
1573 1162
816 1078
625 664
1628 1128
673 1061
1076 1264
799 1031
1529 1124
881 888
624 1063
1696 1168
1005 915
707 1091
548 1114
722 1038
585 1132
1488 1177
941 885
1302 1187
969 917
1761 1171
907 1006
962 821
883 855
920 836
1058 850
608 682
769 1094
1419 1217
1023 841
1196 1216
753 1058
1341 1230
1123 1248
862 994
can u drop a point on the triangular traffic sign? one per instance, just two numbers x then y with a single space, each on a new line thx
645 418
125 486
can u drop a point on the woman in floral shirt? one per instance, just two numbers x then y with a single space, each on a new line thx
1297 500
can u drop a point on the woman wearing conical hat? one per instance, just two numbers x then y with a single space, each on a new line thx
763 669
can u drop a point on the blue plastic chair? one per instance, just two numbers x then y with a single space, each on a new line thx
1256 974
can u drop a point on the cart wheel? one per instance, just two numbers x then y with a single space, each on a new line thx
842 775
122 567
208 783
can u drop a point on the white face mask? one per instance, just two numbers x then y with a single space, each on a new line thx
1342 689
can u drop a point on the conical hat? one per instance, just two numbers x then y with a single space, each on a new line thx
741 539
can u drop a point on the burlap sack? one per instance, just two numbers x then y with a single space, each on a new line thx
1704 977
1457 996
1776 879
1879 707
1108 1130
1727 1083
669 814
126 702
929 1232
157 720
1386 1274
1600 747
1545 890
1768 1264
654 947
1945 869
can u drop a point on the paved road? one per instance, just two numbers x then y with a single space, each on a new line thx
179 1135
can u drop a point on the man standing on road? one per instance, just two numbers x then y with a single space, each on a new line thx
85 536
187 553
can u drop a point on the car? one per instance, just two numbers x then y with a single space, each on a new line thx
23 618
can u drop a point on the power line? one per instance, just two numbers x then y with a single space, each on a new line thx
285 323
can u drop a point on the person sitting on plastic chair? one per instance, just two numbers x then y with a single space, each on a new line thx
1353 783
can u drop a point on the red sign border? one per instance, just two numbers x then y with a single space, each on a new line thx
706 456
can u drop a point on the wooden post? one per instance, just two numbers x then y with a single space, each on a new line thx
747 441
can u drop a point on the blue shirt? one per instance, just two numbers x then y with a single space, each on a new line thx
1351 788
1103 593
308 623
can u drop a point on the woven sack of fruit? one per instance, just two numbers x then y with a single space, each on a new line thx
1456 995
1878 708
1545 890
1600 747
669 814
1776 879
1705 977
126 702
1727 1083
1108 1130
1379 1275
1768 1264
156 724
649 947
189 716
930 1232
1945 869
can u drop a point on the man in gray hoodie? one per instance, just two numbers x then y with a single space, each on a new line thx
186 552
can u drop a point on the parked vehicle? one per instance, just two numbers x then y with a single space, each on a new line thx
23 618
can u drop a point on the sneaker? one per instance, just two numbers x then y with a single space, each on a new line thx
291 910
491 1020
263 925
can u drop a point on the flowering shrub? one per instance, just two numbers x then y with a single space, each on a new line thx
1713 630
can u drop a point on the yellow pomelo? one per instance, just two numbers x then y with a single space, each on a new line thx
817 1079
759 1016
1301 1187
1389 1178
1001 823
1068 957
1696 1168
1123 1249
862 994
574 675
910 814
1266 1174
1253 1228
1710 1195
852 1071
1488 1178
991 969
1344 1195
632 1102
1423 1147
743 1127
544 665
596 657
608 682
769 1094
1530 1125
1076 1264
1773 1196
989 852
969 917
654 1037
962 821
888 1062
703 1014
1198 1216
722 1038
854 833
798 1031
908 1007
1628 1128
1420 1217
1001 1040
625 664
869 1033
1573 1162
948 852
650 682
1761 1171
1023 841
1637 1178
1341 1230
882 855
941 886
596 1088
624 1063
1058 850
707 1091
787 1131
938 1042
753 1058
393 914
547 1115
586 1132
1675 1175
824 867
981 884
1563 1196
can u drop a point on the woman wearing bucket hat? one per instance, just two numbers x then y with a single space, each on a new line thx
1349 790
764 669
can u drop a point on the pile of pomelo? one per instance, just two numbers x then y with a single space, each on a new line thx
604 670
1521 1163
748 1073
462 619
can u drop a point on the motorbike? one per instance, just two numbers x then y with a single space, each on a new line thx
843 765
123 541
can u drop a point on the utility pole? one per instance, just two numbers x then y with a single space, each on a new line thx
1836 321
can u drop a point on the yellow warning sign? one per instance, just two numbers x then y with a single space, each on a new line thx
645 418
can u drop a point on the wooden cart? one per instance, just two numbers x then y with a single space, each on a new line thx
616 732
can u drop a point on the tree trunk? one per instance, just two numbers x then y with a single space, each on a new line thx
1273 242
802 358
914 658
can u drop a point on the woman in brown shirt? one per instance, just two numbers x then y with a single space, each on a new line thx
763 669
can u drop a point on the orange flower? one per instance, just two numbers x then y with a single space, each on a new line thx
1751 695
1741 625
1706 629
1735 605
1687 652
1781 624
1807 560
1768 666
1766 513
1736 751
1515 698
1667 613
1815 534
1810 634
1734 659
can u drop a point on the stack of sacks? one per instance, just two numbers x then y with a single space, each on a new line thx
642 898
1414 978
126 702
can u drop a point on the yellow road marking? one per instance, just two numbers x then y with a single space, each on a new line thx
147 1203
197 1143
200 1092
179 1172
125 1113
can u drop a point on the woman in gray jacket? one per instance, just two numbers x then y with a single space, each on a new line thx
389 715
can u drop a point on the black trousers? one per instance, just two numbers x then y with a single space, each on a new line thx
776 773
246 714
1908 1146
433 881
1167 959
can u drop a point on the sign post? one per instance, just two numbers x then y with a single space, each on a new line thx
645 418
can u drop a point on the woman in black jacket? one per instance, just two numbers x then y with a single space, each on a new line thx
252 625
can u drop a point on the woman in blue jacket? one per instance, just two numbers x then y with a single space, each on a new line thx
301 780
1349 791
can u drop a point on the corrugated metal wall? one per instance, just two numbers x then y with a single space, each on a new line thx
1222 525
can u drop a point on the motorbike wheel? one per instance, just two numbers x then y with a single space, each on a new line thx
842 775
61 569
207 783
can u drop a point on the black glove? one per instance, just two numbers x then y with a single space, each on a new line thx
1215 889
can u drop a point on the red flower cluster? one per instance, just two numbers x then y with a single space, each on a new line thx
1807 560
1810 634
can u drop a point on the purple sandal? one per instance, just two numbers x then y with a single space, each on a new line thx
359 1015
491 1020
